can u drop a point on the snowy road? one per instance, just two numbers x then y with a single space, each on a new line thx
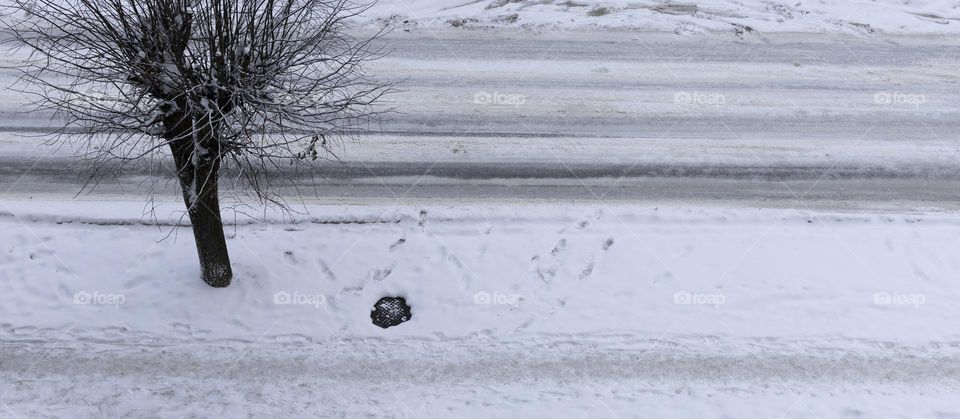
776 119
567 379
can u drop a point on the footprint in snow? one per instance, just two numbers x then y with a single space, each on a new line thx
289 259
397 244
608 244
562 244
325 270
587 271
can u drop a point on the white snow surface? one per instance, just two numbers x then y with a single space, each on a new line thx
553 269
534 309
543 310
848 16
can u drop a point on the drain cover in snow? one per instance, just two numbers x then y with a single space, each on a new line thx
390 311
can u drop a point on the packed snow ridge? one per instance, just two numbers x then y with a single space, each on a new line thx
740 16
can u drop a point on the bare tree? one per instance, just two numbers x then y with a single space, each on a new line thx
259 85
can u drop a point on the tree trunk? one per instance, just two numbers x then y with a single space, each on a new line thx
199 181
208 233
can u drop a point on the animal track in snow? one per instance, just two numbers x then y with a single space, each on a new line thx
544 273
379 274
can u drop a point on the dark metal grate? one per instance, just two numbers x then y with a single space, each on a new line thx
390 311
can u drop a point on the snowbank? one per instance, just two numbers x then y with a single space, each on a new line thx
739 16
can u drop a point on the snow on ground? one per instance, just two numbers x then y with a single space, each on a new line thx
542 268
540 309
545 269
613 247
741 16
